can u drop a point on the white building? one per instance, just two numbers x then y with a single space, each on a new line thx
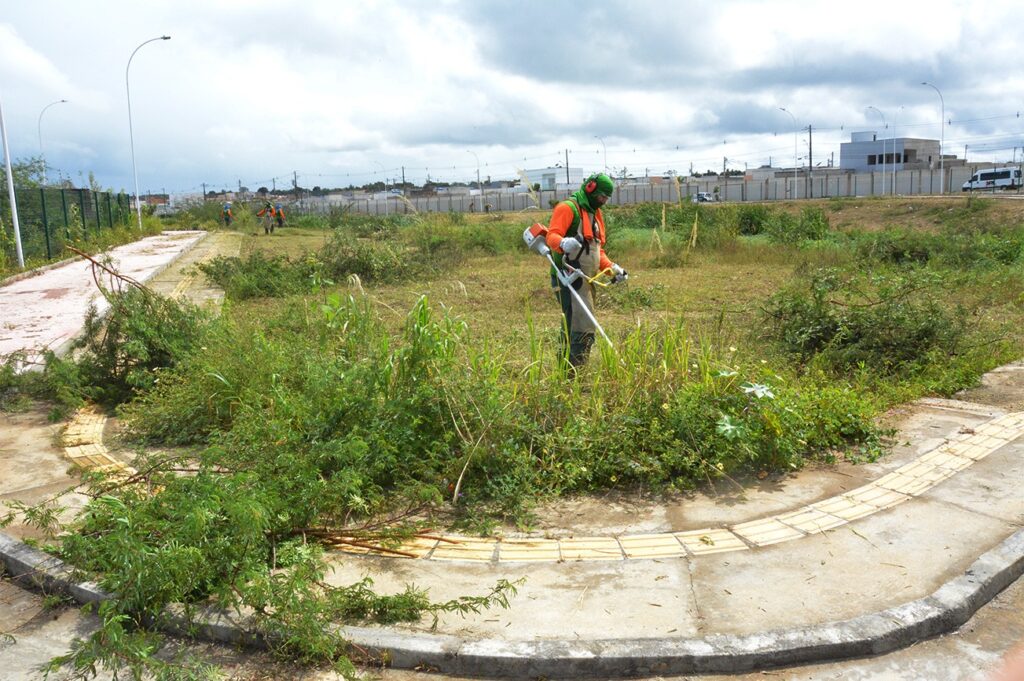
555 178
867 152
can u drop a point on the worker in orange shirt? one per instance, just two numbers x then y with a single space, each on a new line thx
577 235
271 216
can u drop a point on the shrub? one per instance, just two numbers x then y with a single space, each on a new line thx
812 225
752 219
258 276
119 354
890 323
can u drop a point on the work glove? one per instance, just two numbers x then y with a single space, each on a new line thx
571 247
620 275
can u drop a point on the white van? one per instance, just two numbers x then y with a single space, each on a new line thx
994 178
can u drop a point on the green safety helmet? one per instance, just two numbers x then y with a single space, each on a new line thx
599 184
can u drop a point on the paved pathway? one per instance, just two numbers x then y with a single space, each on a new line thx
47 310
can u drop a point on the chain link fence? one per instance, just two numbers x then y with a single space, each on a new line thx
49 218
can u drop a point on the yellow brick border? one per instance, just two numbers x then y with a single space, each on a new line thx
83 445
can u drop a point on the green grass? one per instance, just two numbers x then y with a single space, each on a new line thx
364 367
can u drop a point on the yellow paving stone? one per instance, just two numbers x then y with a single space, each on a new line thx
956 447
354 550
1014 420
935 475
766 531
886 492
948 460
915 469
845 508
590 548
651 546
478 550
528 551
700 542
75 451
89 462
811 520
418 546
992 429
975 452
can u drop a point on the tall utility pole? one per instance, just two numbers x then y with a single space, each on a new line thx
403 180
295 183
204 192
810 161
567 180
795 131
725 175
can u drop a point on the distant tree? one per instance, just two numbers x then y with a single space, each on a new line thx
94 184
27 172
262 191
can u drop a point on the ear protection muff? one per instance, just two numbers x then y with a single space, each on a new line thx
591 185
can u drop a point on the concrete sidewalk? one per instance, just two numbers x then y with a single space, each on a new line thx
876 583
825 563
46 309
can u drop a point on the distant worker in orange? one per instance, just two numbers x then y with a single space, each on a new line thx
226 215
279 214
271 216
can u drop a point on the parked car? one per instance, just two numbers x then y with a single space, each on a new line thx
702 197
164 210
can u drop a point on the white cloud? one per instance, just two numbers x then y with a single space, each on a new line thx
259 89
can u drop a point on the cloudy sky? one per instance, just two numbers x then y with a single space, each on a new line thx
342 92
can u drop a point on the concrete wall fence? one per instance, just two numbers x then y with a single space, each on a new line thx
736 189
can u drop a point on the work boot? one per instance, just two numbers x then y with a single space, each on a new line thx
579 348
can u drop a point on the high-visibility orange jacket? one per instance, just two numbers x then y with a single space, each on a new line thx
561 225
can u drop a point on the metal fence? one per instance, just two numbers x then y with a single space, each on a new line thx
50 218
735 189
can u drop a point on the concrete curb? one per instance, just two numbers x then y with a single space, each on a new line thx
876 633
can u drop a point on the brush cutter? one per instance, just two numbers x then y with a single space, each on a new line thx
536 240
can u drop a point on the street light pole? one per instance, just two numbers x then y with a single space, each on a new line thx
605 150
942 135
478 185
795 131
384 170
131 134
896 159
42 154
884 125
10 189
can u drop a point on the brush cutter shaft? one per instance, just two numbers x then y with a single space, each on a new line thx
567 279
534 238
